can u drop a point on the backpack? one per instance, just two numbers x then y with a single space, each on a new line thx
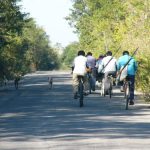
123 73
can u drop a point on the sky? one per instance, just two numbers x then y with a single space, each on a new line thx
50 15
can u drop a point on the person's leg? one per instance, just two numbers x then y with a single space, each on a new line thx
75 85
86 84
132 80
93 75
96 74
72 68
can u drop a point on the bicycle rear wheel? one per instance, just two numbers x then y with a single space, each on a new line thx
103 92
110 93
110 90
81 93
124 89
127 94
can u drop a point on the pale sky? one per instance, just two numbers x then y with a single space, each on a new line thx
50 15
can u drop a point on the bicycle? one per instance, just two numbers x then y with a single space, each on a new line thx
81 90
126 87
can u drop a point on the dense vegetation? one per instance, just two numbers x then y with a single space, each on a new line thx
69 54
100 24
24 46
108 24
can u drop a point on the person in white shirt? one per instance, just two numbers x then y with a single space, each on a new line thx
80 68
109 65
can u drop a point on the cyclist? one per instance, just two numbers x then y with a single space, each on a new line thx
131 71
80 68
91 62
109 65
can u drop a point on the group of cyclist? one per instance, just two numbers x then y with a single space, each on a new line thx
105 65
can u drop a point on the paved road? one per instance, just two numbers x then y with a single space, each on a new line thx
36 118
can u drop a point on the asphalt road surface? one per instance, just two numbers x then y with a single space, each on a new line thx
37 118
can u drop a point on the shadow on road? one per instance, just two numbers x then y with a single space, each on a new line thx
34 111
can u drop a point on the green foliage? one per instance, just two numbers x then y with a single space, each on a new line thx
12 22
99 24
24 46
107 24
40 53
143 77
70 52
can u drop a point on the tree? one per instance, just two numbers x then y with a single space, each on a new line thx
39 54
12 22
70 52
105 25
23 43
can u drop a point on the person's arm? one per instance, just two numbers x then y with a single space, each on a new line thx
88 69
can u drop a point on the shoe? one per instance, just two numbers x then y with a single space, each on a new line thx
131 102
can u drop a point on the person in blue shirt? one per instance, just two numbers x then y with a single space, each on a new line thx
131 71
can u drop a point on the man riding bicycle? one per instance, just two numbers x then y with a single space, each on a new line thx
80 69
109 65
108 68
131 71
91 62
